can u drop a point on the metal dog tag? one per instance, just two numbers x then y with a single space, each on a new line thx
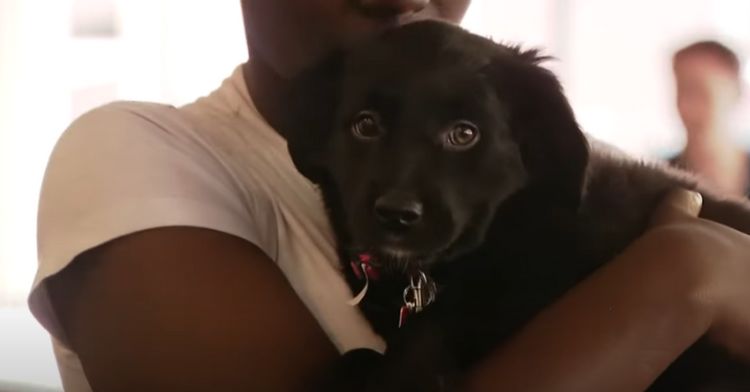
417 295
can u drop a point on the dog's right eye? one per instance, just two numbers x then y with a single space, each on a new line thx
366 126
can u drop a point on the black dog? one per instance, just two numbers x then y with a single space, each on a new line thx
459 183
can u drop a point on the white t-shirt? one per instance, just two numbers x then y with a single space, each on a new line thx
216 164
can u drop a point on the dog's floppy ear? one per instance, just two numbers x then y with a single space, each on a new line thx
553 147
308 113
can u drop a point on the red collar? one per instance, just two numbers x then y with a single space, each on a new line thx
418 294
363 266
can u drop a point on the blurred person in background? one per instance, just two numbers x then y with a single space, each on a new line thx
709 87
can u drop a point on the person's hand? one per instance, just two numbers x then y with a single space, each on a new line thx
720 256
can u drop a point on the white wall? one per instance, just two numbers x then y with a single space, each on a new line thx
167 50
614 57
34 105
618 63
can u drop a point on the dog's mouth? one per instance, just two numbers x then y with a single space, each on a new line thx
403 249
400 259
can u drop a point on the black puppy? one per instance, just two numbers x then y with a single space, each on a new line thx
465 199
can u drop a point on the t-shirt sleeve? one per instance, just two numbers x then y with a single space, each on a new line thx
124 168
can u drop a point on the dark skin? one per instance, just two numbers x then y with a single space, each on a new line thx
286 36
149 312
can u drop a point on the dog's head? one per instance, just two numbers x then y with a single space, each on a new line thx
425 131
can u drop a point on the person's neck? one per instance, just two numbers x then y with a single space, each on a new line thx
265 87
710 141
712 154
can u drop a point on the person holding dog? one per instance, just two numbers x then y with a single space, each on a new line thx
179 249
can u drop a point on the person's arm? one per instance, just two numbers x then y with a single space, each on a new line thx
191 309
187 309
621 327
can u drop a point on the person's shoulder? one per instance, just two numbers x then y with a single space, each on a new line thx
129 118
127 136
121 110
133 165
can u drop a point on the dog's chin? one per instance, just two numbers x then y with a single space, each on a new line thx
404 254
403 260
400 258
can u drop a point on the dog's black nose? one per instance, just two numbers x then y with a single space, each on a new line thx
398 210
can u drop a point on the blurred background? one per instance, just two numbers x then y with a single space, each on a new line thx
59 58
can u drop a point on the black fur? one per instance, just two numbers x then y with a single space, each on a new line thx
508 225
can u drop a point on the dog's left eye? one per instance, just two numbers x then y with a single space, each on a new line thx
461 136
366 126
